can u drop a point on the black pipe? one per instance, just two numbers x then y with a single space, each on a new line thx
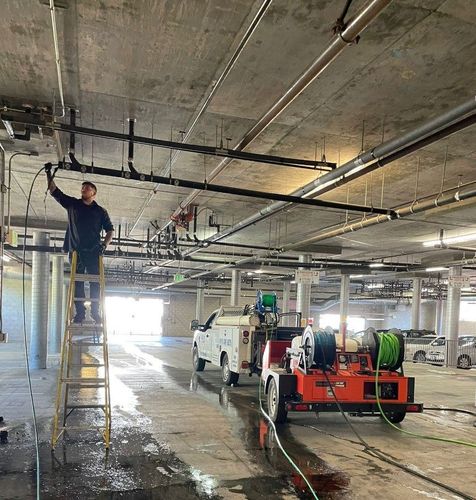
76 166
180 146
130 156
72 137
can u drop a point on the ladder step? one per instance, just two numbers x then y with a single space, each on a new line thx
82 428
85 299
74 327
83 380
87 277
86 344
74 407
87 365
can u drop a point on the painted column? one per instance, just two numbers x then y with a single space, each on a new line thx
200 305
57 309
235 287
40 271
285 304
344 304
439 317
416 303
452 318
303 294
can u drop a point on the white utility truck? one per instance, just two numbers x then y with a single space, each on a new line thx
234 337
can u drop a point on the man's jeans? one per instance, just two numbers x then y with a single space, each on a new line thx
87 263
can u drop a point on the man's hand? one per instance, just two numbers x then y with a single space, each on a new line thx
48 167
49 176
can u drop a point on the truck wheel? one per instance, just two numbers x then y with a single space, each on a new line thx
395 416
198 362
464 361
276 409
229 377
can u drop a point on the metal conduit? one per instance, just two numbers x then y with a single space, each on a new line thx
414 208
337 45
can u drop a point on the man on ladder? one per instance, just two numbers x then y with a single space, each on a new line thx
81 385
86 220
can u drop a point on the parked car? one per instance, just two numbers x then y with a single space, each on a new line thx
466 351
416 349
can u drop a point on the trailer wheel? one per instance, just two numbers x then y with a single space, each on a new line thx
276 409
395 416
198 362
229 377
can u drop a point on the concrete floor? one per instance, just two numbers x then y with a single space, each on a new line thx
181 435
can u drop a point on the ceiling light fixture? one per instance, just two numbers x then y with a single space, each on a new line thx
353 276
435 269
450 241
376 264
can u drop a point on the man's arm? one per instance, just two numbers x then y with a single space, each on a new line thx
108 227
108 238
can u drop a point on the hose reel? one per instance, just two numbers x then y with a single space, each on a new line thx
391 345
319 348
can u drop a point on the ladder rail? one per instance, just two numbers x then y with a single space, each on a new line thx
67 363
64 347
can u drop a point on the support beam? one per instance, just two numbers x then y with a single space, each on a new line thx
303 296
439 317
235 287
39 303
200 305
344 305
285 303
56 311
416 303
452 318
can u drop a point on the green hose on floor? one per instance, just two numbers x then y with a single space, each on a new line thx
388 355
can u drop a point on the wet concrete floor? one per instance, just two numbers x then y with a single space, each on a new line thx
182 435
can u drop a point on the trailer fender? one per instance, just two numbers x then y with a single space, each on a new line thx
285 383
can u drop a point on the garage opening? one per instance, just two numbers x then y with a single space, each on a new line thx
132 316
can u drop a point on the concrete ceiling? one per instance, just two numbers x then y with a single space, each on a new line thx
156 61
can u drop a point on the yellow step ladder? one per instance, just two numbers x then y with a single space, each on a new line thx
83 378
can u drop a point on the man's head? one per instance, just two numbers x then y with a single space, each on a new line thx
88 191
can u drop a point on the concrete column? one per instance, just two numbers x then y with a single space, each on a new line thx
452 318
439 317
344 303
303 294
285 304
235 287
200 305
416 303
40 271
57 309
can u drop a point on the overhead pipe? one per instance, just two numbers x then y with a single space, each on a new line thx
216 86
442 126
2 231
452 198
283 161
57 57
205 186
336 46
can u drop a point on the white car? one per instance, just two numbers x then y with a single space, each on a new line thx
466 351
